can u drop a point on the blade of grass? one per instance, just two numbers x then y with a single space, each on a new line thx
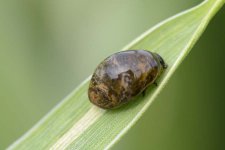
77 124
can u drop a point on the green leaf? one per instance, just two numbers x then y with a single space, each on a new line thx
76 124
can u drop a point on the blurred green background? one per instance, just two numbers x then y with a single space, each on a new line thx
48 47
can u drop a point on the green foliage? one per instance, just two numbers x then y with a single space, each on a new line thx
77 124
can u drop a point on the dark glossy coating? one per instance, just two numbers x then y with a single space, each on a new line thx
122 76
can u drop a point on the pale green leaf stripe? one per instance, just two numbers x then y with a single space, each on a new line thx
76 124
87 120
